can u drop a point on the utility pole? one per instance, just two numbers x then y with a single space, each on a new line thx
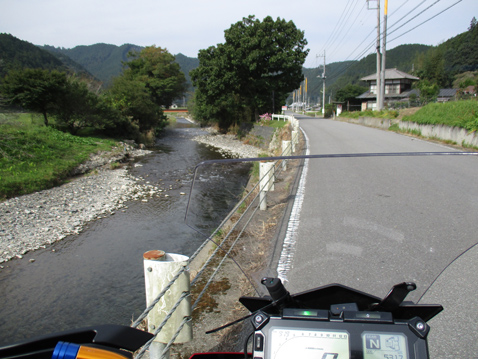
384 49
378 87
323 85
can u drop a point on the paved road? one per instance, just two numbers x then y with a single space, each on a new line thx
373 222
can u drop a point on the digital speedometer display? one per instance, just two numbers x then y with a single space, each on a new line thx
286 343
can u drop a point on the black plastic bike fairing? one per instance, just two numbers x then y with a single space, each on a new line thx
325 296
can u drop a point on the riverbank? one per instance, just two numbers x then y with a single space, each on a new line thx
36 220
228 144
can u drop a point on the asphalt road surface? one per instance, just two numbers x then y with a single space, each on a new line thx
370 223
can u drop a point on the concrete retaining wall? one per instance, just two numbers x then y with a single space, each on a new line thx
458 135
383 123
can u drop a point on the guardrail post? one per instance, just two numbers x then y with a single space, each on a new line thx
266 175
286 148
159 269
295 139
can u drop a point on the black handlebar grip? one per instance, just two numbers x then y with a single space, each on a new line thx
275 287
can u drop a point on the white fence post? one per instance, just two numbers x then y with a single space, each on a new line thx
286 147
159 269
295 139
266 175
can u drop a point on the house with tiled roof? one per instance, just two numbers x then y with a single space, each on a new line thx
446 95
398 88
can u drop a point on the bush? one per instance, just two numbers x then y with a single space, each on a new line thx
329 111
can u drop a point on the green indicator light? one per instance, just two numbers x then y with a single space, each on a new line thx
307 313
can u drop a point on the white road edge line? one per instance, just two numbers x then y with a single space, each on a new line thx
288 247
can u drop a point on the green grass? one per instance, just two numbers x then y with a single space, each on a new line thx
273 123
34 157
390 114
463 114
172 119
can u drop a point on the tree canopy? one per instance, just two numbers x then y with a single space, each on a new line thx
151 80
252 72
349 93
156 68
132 107
35 90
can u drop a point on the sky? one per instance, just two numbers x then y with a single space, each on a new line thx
343 29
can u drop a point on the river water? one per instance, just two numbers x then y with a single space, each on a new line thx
96 277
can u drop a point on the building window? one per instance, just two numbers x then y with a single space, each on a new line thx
392 89
373 89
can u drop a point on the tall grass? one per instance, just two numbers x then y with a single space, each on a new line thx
34 157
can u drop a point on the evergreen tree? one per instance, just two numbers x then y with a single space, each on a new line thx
252 72
472 24
35 90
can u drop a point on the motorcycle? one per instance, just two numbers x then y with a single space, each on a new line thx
334 321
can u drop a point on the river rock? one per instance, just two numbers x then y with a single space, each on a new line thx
32 221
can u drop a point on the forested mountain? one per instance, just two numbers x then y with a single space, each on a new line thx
18 54
187 64
104 61
314 78
461 52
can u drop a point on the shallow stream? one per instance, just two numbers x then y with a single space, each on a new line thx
96 277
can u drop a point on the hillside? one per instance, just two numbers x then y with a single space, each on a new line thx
461 52
104 61
314 77
18 54
187 64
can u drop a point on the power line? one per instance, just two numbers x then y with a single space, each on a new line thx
426 20
350 27
336 25
398 8
371 44
437 1
342 25
408 13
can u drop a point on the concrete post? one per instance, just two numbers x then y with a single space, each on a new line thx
266 183
286 148
295 140
159 269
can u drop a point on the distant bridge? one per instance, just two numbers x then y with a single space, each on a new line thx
177 110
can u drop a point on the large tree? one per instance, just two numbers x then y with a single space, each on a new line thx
79 108
349 94
35 90
252 72
157 69
151 80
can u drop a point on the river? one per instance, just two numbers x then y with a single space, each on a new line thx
96 277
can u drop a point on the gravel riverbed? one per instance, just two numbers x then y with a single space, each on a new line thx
35 220
228 144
